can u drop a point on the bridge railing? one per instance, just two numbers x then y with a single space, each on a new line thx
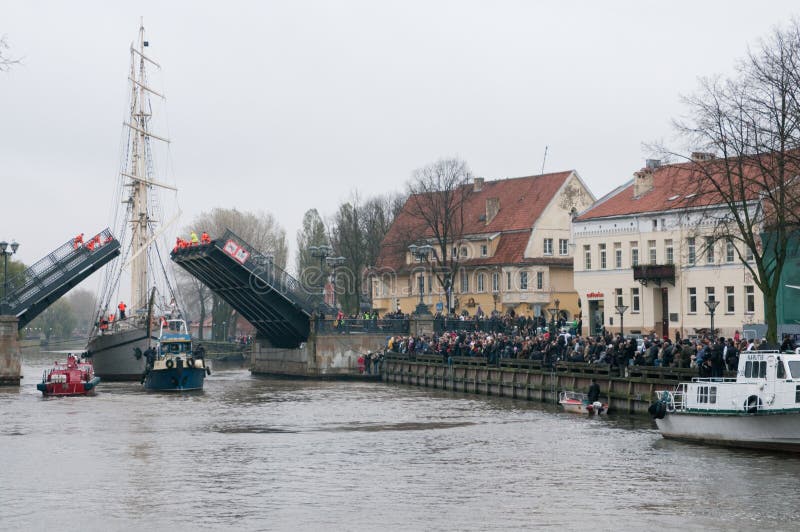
48 271
266 275
360 326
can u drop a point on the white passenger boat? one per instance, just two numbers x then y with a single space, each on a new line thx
758 409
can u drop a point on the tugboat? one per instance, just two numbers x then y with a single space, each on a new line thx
759 409
578 403
72 378
173 366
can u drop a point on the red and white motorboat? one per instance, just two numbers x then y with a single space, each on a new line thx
578 403
72 378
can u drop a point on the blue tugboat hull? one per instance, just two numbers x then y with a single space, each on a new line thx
175 379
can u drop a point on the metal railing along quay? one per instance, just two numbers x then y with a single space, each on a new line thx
361 326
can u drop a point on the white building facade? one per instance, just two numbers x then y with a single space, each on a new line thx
638 248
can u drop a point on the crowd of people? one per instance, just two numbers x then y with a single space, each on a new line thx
193 240
711 357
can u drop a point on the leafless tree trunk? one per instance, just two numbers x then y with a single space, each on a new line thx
6 62
438 194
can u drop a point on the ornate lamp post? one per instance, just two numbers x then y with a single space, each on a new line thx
621 311
711 304
421 253
333 262
3 249
321 252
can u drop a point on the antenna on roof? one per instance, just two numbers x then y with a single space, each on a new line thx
544 160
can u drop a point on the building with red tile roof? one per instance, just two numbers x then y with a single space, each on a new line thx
648 247
514 250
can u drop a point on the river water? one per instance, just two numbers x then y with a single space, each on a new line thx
253 453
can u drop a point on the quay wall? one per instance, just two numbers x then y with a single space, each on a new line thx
10 365
323 356
630 393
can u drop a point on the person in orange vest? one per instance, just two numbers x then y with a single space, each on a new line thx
204 238
90 245
110 318
76 243
121 308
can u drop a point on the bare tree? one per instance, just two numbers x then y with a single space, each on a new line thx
747 132
438 194
312 233
6 62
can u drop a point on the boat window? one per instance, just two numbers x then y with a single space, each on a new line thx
797 394
706 394
794 368
781 370
756 369
748 369
762 369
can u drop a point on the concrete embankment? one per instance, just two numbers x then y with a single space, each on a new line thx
529 379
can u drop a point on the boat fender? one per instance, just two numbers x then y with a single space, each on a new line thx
189 362
208 371
658 410
170 363
753 404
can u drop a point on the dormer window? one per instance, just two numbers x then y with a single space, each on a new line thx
484 250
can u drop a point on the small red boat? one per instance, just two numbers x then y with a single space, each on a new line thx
73 378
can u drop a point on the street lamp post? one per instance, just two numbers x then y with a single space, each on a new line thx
554 316
4 249
333 262
321 252
420 253
711 304
621 311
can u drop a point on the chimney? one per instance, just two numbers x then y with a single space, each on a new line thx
700 156
642 181
492 208
477 184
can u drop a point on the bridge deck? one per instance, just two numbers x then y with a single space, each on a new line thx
265 295
39 286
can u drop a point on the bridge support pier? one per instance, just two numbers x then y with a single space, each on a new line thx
323 356
10 365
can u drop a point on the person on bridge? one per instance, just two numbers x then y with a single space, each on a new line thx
121 308
194 239
204 238
76 243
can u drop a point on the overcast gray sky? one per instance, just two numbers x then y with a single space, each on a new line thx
283 106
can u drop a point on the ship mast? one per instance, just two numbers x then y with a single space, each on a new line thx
139 216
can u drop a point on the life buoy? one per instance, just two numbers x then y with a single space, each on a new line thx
189 362
753 404
170 363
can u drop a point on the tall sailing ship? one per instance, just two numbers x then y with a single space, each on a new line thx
116 345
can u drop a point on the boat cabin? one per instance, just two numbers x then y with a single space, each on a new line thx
766 382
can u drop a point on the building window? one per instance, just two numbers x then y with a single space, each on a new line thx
748 254
523 280
481 282
618 255
603 264
710 294
563 246
651 246
454 252
587 258
539 280
709 250
464 282
484 250
655 225
730 304
463 251
730 254
634 257
548 246
692 300
692 251
495 282
635 299
508 280
669 254
749 299
618 296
